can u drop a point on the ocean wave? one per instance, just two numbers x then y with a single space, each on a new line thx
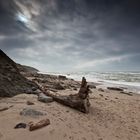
131 80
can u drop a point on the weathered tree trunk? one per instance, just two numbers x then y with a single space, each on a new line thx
74 101
79 101
84 89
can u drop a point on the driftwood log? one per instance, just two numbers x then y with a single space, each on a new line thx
79 101
40 124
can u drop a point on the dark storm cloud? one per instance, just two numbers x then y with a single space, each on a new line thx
15 42
7 23
93 32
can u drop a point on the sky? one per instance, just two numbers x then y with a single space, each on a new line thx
72 35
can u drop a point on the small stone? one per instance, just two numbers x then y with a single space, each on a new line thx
34 88
74 88
62 77
58 86
101 95
20 125
100 89
43 98
31 112
30 103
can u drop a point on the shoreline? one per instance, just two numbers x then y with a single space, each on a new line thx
128 86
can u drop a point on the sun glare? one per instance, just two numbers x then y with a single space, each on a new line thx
22 18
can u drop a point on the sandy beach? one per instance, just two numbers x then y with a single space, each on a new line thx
109 114
69 69
112 116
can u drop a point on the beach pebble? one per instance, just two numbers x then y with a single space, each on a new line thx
100 89
62 77
58 86
43 98
75 88
31 112
20 125
30 103
101 95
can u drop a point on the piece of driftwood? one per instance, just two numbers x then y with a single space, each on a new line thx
74 101
79 101
127 93
5 108
115 88
40 124
84 89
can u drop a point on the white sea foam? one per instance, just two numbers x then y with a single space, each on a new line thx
130 80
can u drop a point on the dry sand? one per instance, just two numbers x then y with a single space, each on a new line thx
113 116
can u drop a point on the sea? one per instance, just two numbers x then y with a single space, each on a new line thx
128 80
